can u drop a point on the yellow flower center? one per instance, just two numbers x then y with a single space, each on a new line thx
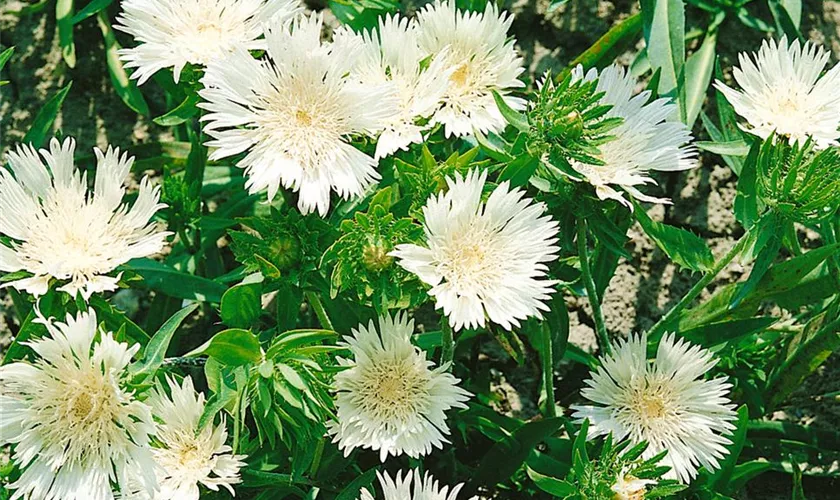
461 75
82 406
303 118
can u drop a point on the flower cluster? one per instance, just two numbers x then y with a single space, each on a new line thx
315 121
59 230
80 431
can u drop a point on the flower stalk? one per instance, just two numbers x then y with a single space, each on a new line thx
658 329
548 370
591 290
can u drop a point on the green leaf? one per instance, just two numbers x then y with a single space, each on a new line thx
91 9
722 476
115 320
241 305
507 455
125 88
5 56
42 126
351 491
814 345
746 472
493 146
784 21
698 75
31 329
515 118
794 10
685 248
551 485
728 148
520 170
222 397
664 28
181 113
155 350
798 492
768 244
746 199
34 8
168 280
726 331
603 52
64 23
232 347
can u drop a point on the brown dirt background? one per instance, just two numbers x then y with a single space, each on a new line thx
643 287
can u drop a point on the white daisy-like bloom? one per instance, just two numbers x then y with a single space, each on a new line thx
293 114
390 398
423 488
482 59
61 230
665 402
393 54
484 259
186 456
77 430
629 487
645 141
174 33
782 92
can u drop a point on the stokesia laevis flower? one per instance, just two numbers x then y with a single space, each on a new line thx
782 92
61 230
665 402
293 114
481 58
646 140
186 456
424 488
484 258
174 33
390 398
77 430
393 54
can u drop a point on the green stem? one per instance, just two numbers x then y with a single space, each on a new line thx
318 306
591 290
447 342
830 233
659 328
316 460
237 420
184 362
548 371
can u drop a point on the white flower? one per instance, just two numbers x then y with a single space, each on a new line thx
484 258
425 488
293 113
628 487
644 141
482 59
174 33
389 398
186 456
76 429
665 403
782 92
61 230
394 55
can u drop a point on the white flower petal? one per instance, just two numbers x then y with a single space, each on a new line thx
666 403
389 399
484 260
